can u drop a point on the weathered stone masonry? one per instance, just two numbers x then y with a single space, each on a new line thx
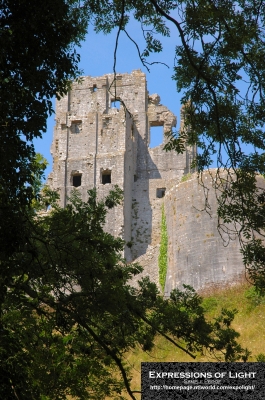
100 143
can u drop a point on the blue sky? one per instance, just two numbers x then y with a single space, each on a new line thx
97 58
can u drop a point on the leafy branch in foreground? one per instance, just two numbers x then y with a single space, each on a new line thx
38 60
220 71
69 315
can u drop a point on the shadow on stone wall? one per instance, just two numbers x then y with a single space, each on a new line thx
142 213
197 254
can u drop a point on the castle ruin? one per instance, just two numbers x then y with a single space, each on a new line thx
101 139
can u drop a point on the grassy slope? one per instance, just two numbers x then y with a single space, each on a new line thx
249 322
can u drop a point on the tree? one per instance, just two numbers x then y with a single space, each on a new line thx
69 315
37 60
220 70
67 311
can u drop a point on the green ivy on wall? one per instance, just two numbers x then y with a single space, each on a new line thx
162 259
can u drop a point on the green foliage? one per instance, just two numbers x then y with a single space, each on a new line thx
186 177
209 303
40 164
38 58
177 141
162 258
250 324
68 315
220 71
260 357
254 296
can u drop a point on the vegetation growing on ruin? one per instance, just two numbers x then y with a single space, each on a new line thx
186 177
219 68
68 315
162 258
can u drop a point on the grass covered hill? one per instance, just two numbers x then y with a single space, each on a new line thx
249 322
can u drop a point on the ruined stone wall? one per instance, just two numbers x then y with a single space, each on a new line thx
95 135
149 263
156 171
197 255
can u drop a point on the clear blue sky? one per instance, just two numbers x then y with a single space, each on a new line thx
97 59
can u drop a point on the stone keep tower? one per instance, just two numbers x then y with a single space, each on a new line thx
101 139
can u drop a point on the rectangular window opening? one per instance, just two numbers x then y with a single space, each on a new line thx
115 104
160 192
156 136
76 126
106 177
77 180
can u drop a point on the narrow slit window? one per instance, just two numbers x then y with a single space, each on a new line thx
106 177
156 136
95 88
77 180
